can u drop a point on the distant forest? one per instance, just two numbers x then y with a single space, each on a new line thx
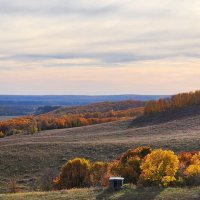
177 101
72 117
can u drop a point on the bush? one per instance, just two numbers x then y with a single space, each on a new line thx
97 171
129 164
2 135
13 186
159 168
193 171
184 160
74 174
140 152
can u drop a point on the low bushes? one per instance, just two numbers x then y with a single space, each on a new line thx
142 166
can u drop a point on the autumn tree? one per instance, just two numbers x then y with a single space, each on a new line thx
128 166
97 172
193 171
74 174
176 101
159 168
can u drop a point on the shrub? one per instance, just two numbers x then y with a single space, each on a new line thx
140 152
2 135
13 186
74 174
184 160
193 171
129 164
97 171
159 168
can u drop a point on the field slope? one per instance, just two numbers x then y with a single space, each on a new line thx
26 158
127 193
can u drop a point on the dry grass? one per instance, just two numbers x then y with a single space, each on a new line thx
26 158
128 193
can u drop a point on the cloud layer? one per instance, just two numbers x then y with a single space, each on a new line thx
107 35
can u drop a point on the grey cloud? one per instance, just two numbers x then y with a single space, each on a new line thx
52 7
100 58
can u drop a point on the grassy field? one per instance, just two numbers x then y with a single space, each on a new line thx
26 158
128 193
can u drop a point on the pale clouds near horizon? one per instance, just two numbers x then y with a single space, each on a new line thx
99 47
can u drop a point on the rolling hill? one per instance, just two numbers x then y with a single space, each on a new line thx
27 157
13 105
99 107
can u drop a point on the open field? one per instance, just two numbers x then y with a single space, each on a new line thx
26 158
127 193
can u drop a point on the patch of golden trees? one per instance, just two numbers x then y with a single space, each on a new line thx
176 101
32 124
142 166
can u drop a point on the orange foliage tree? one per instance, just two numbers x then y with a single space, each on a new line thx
128 166
176 101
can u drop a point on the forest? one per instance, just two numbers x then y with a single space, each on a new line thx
175 102
72 117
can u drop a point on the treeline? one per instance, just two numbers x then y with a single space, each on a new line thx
176 101
16 110
142 166
32 124
101 107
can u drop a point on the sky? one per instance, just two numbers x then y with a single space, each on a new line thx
99 47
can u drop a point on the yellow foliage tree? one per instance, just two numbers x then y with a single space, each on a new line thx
194 168
74 174
159 168
97 171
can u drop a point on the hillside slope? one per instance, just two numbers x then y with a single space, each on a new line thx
99 107
170 115
128 193
28 157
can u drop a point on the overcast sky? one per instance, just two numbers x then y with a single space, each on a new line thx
99 47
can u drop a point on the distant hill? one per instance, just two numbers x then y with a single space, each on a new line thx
75 116
167 116
99 107
70 99
13 105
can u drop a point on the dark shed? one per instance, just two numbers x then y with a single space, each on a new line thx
116 182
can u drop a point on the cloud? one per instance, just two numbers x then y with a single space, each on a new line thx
55 7
107 34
